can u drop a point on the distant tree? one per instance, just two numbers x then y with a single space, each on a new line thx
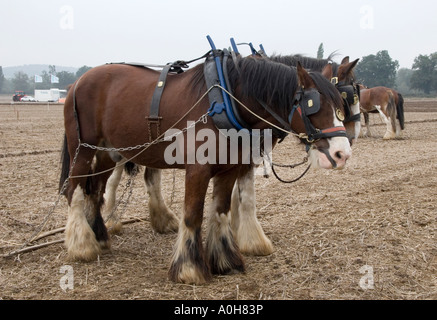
65 78
377 70
21 82
45 84
2 79
81 71
52 69
320 51
403 80
424 76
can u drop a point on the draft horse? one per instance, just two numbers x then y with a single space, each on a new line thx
246 228
248 231
389 104
110 105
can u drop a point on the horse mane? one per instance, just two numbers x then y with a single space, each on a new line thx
266 80
326 88
312 64
197 83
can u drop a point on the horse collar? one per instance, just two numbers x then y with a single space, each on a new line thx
222 109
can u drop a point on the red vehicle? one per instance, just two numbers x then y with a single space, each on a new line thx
18 95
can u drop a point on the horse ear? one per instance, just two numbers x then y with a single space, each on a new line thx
327 71
303 76
350 67
345 60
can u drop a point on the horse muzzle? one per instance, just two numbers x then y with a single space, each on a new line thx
333 157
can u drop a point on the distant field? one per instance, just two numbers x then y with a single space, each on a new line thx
411 104
378 213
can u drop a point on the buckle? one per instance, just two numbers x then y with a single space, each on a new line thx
334 80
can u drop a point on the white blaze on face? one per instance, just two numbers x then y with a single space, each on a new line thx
355 109
339 150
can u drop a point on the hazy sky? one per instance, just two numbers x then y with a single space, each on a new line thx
93 32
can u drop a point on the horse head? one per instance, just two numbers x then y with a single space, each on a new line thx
322 114
349 90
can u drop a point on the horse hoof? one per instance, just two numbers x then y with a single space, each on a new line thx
165 222
261 248
189 274
114 227
88 252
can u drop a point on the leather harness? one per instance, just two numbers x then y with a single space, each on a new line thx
223 110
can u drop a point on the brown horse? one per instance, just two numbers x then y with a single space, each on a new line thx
389 104
247 230
110 107
344 80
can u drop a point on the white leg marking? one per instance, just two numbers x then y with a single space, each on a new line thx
161 217
355 109
248 232
113 220
80 239
188 272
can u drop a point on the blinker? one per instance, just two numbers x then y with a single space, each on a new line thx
310 102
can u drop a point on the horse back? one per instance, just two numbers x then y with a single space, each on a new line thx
116 97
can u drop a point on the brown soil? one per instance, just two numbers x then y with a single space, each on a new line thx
378 214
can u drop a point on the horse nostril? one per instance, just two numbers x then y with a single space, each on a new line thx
338 155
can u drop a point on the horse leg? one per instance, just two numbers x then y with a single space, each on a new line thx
103 166
248 232
387 117
80 239
111 217
162 218
189 264
222 250
367 123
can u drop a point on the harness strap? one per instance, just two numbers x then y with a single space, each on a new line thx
154 117
156 99
317 134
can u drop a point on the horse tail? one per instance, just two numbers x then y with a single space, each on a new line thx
400 111
65 164
131 168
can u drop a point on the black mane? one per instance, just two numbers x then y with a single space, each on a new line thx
312 64
265 80
326 89
271 82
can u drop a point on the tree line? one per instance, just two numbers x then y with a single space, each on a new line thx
23 82
381 70
373 70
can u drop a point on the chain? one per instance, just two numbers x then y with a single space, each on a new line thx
202 119
130 186
173 189
52 209
292 166
145 146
